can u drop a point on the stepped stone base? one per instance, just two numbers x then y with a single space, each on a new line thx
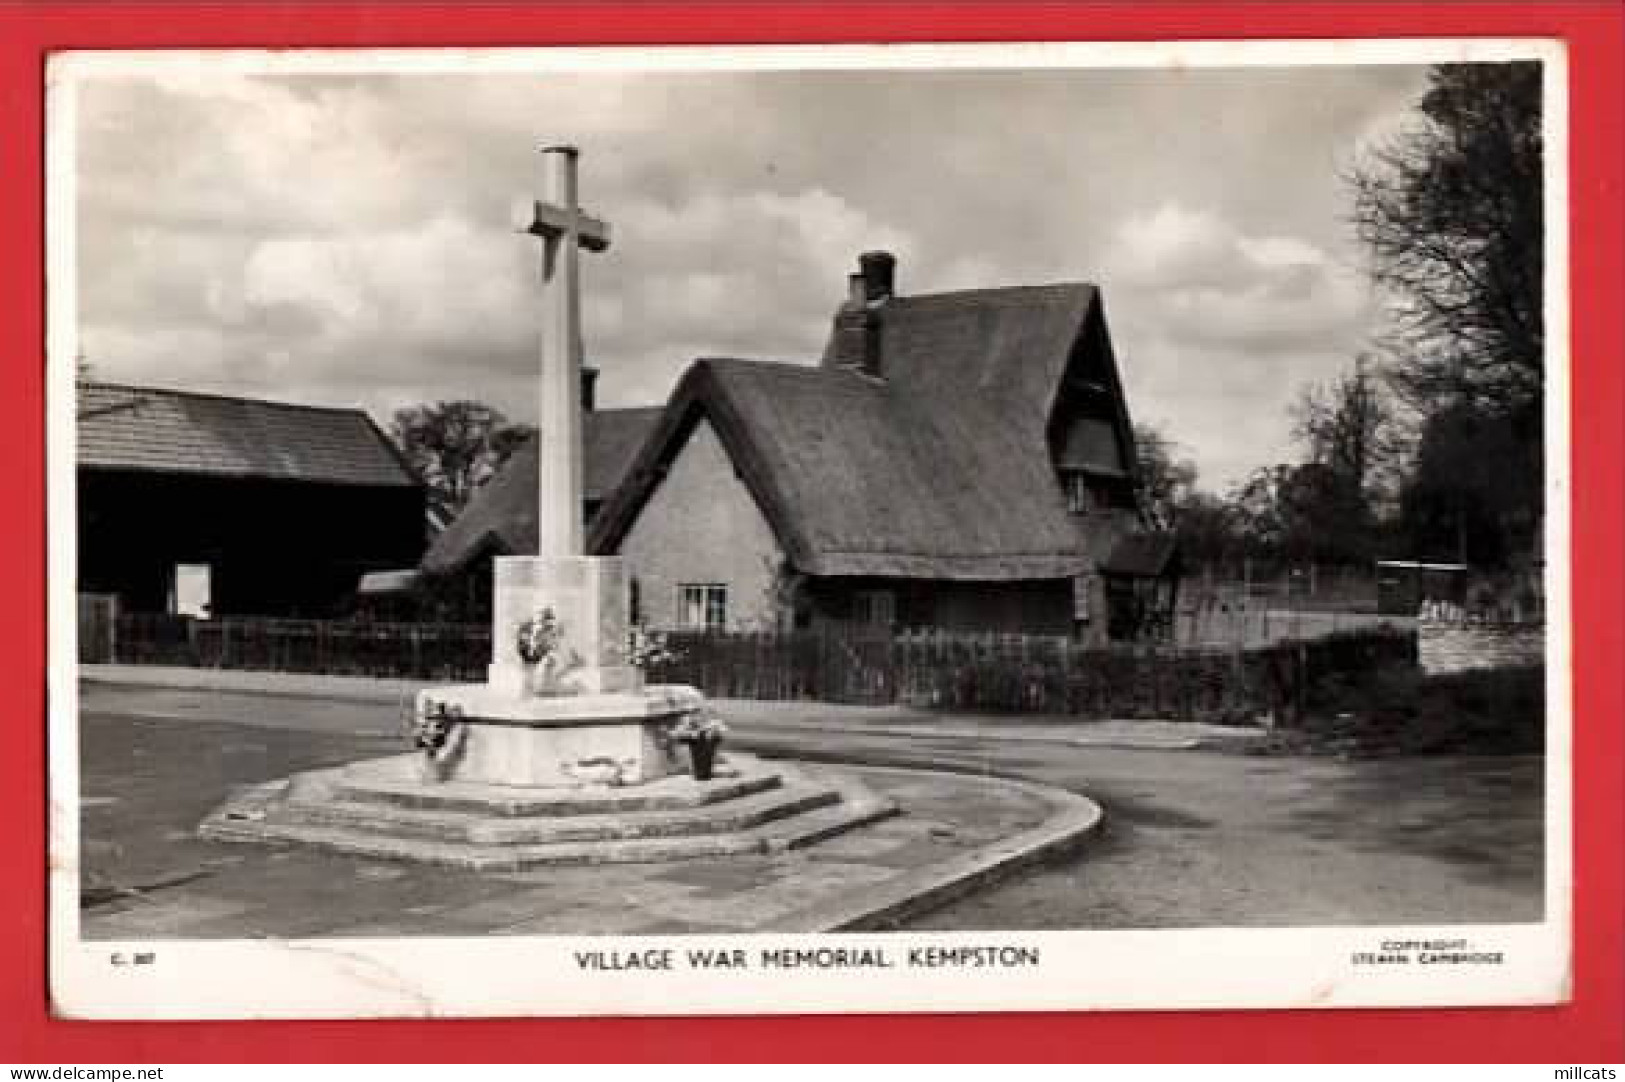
382 808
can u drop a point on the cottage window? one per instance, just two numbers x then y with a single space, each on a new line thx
703 606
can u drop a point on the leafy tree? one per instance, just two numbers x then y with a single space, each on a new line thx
1347 430
1348 426
1259 512
1326 520
1292 513
455 447
1208 531
1466 498
1452 214
1164 481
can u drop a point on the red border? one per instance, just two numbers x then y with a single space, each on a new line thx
1588 1030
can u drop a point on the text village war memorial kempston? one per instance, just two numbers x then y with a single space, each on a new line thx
1000 956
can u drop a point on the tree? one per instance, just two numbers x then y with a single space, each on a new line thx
1257 510
1452 213
1297 513
1347 430
1163 482
1207 531
1348 426
1465 498
455 447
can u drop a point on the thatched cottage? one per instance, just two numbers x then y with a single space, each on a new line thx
959 460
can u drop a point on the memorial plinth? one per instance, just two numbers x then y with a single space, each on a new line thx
578 715
588 598
563 703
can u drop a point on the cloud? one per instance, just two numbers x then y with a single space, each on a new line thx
1219 329
436 288
1212 286
754 273
344 239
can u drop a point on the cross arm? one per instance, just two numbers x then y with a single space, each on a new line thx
547 220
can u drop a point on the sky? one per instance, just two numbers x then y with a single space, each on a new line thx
346 239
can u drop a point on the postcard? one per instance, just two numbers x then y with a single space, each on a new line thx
678 530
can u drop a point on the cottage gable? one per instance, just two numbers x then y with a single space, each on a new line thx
1090 436
703 554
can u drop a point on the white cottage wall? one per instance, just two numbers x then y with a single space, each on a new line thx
702 526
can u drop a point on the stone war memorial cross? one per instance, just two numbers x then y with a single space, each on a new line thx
563 756
561 700
565 230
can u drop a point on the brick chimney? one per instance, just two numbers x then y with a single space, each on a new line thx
855 341
589 389
879 273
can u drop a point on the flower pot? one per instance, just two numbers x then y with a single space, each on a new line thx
702 757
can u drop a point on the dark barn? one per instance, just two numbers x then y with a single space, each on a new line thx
207 505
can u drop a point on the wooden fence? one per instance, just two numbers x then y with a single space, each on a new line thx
98 628
1030 674
988 673
455 652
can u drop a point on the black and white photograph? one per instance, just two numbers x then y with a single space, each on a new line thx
808 528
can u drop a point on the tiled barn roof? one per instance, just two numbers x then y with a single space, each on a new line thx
157 429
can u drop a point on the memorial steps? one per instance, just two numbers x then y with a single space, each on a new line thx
377 809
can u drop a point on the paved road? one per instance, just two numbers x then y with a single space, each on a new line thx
1193 838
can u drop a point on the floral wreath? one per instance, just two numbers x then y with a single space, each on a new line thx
433 724
539 637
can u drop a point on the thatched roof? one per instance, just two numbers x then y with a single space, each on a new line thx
501 518
123 427
940 466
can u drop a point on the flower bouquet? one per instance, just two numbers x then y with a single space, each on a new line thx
702 731
436 730
645 649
